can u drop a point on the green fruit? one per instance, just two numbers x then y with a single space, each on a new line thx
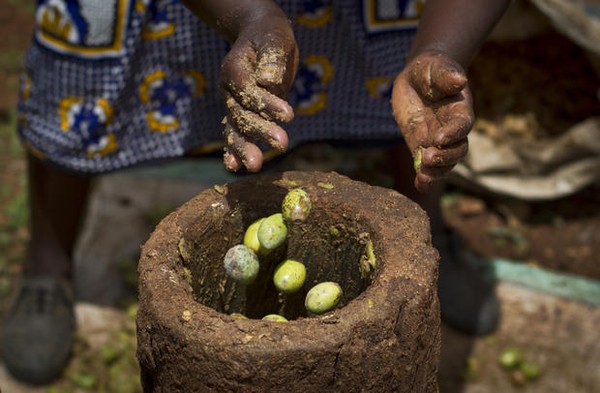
241 264
323 297
418 159
272 232
296 205
289 276
85 380
238 315
530 370
274 318
511 358
251 235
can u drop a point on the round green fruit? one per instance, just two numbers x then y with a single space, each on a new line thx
251 235
289 276
323 297
296 205
272 232
241 264
530 370
511 358
274 318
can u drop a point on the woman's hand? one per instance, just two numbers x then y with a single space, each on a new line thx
256 75
432 105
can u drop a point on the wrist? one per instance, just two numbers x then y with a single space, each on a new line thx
231 18
432 53
267 17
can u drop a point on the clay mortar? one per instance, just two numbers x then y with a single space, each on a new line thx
384 337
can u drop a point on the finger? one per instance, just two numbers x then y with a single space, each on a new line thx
457 120
423 182
238 78
255 127
448 79
426 177
453 133
436 76
449 156
232 162
271 67
435 173
277 69
242 150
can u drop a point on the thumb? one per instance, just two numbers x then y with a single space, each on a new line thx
436 76
448 79
276 65
271 67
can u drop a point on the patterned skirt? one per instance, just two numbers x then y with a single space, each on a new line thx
115 83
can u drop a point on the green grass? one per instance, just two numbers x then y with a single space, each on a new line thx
14 216
13 192
9 140
110 368
17 215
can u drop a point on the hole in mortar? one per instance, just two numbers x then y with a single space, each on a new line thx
332 243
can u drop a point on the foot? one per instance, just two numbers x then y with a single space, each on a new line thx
37 336
467 293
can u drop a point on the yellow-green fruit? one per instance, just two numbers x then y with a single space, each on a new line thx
241 264
296 205
251 235
530 370
511 358
238 315
274 318
418 159
289 276
272 232
323 297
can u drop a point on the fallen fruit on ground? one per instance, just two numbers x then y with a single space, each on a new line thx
323 297
530 370
511 358
241 264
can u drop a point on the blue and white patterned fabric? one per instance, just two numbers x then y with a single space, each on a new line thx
114 83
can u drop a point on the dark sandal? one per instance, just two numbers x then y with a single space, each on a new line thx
467 293
37 335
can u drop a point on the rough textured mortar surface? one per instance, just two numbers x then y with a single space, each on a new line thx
384 337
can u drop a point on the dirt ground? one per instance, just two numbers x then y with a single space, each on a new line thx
561 88
562 235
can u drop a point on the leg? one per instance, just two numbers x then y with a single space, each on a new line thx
467 295
57 201
38 332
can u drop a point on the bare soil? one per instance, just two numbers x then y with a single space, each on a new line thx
530 90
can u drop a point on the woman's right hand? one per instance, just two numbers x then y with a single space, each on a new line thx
256 75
